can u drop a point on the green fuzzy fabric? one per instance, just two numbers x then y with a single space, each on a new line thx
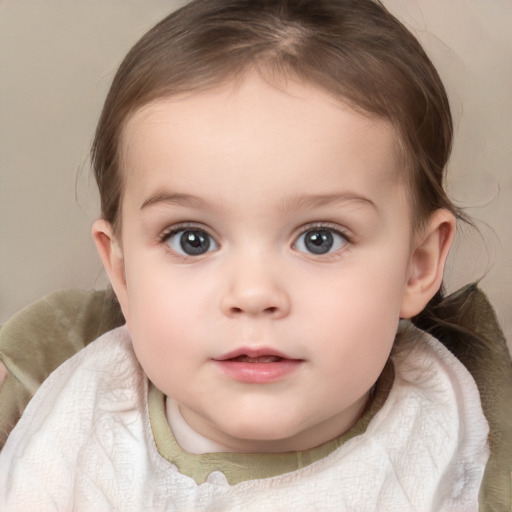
42 336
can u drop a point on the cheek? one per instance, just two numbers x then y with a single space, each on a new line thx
153 291
362 295
356 314
161 321
163 343
358 345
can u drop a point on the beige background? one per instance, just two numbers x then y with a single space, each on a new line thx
57 58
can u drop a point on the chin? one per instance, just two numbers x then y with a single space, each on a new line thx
266 436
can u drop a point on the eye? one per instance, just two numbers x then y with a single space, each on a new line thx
320 241
191 242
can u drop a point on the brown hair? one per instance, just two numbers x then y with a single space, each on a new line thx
353 49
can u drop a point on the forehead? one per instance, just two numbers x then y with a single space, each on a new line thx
246 129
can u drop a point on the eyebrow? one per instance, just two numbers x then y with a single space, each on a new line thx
177 199
305 202
291 203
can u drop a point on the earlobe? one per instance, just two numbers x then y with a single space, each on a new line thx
112 258
427 262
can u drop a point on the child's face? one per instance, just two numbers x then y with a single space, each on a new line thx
266 243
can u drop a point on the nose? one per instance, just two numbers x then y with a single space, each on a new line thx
255 290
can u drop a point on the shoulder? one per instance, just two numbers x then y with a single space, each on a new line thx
481 347
87 416
43 335
104 371
428 375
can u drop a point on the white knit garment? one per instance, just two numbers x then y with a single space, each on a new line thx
85 444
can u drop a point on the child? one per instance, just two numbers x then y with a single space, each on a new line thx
271 177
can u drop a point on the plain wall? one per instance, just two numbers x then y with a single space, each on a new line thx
57 59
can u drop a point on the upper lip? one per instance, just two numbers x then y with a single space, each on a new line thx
253 352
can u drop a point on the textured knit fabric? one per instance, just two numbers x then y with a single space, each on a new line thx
85 443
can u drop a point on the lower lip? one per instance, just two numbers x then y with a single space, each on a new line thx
258 373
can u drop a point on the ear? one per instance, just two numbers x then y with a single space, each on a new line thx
428 259
111 255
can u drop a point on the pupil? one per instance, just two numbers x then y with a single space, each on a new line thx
319 242
194 242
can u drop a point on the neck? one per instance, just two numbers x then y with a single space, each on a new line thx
207 439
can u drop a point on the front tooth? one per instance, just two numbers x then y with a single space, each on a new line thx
268 359
260 359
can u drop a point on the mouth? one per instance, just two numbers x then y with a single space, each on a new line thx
255 355
257 366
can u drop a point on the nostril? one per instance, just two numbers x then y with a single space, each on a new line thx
269 311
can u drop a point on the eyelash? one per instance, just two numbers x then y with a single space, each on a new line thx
178 228
335 228
168 233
